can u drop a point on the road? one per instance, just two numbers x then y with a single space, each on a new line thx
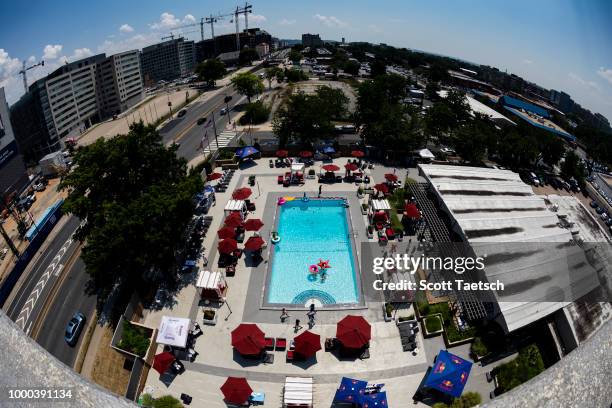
54 287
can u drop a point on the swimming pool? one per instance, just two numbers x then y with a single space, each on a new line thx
311 231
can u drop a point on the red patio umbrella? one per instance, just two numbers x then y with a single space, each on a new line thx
357 153
163 361
254 243
236 390
248 339
254 224
307 344
383 188
306 153
227 246
214 176
351 167
331 167
390 177
226 232
233 220
353 332
282 153
412 211
241 193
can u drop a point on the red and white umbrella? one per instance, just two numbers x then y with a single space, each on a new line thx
253 224
254 243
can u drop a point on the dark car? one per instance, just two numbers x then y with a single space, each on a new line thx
599 210
182 113
201 121
74 328
594 204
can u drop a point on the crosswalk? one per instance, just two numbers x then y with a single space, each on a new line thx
224 139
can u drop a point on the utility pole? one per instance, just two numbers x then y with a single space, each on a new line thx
215 129
23 71
227 99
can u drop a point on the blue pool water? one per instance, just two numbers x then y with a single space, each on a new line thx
310 231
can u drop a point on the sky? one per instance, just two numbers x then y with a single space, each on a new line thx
559 44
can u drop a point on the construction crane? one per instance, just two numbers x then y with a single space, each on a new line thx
23 71
248 8
200 24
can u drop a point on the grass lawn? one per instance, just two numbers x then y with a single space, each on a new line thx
452 333
527 365
432 324
108 368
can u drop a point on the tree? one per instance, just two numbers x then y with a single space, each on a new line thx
270 74
334 101
378 67
255 113
137 198
467 400
166 401
552 148
295 56
352 67
431 91
247 84
247 56
210 71
294 75
571 167
301 119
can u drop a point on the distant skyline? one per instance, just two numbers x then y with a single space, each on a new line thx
558 44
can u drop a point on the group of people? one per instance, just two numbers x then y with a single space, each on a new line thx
310 315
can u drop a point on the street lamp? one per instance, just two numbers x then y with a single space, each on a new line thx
226 100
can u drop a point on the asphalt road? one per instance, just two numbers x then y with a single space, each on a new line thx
71 299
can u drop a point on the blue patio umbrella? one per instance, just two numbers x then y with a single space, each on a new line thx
209 189
449 374
350 390
245 152
329 150
374 400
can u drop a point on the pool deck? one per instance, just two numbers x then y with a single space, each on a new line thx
401 371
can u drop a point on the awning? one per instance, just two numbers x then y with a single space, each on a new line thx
297 167
350 390
209 280
426 154
173 331
235 205
247 151
298 392
381 205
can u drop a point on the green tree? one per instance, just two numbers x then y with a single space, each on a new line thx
295 56
255 113
352 67
166 401
571 167
301 119
378 68
294 75
271 73
431 91
551 147
247 84
467 400
137 198
334 101
247 56
210 71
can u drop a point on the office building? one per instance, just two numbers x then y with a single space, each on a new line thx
562 101
119 83
13 174
262 49
221 44
167 60
311 40
600 122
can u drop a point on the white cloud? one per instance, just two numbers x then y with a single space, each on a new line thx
527 61
52 51
285 21
9 67
374 28
82 53
257 18
330 21
605 73
169 21
31 59
126 28
581 81
137 41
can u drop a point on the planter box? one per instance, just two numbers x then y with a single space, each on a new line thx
210 322
436 333
370 233
450 344
364 211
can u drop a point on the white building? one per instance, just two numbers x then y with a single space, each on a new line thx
531 248
120 83
262 49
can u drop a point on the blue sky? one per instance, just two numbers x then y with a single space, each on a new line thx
560 44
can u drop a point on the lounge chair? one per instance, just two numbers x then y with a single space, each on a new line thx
281 343
280 179
381 236
379 226
390 233
267 358
271 163
330 344
290 355
269 343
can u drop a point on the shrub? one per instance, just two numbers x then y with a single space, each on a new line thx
404 318
467 400
255 113
388 309
209 314
479 348
364 206
527 365
360 190
433 324
295 75
134 339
